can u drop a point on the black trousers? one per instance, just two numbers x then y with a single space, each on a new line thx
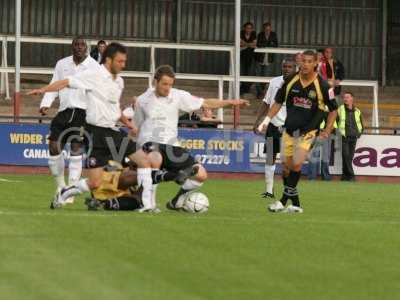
246 65
348 148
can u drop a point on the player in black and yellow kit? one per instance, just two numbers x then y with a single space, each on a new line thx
118 188
305 95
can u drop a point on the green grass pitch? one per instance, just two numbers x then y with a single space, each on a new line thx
346 245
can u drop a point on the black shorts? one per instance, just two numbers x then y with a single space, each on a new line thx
104 144
273 139
67 126
175 158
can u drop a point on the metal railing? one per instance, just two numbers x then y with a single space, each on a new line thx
221 79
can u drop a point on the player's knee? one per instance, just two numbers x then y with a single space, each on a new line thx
201 174
155 159
141 159
54 148
297 167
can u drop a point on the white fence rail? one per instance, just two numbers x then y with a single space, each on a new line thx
5 69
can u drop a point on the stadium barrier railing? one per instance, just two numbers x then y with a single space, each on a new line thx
221 79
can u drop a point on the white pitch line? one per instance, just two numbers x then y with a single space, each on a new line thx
195 217
8 180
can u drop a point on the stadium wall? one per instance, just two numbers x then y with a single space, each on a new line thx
352 27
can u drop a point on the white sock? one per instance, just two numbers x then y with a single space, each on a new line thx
154 191
269 178
145 181
56 165
189 185
75 169
154 195
73 190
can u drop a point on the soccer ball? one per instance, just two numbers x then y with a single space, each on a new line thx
196 203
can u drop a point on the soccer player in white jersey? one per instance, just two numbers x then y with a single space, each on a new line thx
105 142
156 116
67 124
274 133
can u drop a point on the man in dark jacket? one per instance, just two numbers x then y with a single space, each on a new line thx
266 38
248 42
97 53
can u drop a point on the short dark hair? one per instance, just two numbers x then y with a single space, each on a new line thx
112 50
164 70
101 42
248 23
311 53
288 60
266 24
350 93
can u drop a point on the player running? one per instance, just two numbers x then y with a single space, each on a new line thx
305 95
70 119
156 117
274 132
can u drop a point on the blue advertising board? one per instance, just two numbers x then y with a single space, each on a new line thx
218 150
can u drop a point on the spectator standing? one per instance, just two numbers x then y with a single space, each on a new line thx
332 70
320 155
266 38
351 127
298 58
248 42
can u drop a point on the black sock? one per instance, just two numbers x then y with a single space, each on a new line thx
292 181
163 176
284 180
284 198
121 203
180 193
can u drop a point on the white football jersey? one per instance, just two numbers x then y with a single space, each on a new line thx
103 94
157 117
69 98
274 85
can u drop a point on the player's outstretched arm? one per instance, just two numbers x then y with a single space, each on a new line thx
262 112
53 87
275 108
216 103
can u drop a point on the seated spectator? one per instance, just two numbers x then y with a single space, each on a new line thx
189 120
248 42
208 120
97 53
266 38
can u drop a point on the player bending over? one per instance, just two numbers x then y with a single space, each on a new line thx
156 117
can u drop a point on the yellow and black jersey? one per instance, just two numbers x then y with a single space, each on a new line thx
108 188
305 103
